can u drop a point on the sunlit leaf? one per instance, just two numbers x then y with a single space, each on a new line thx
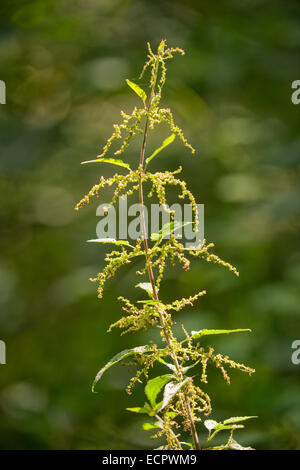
138 409
167 229
113 161
170 391
155 385
165 143
137 89
238 419
117 358
147 286
210 424
198 334
224 427
109 240
228 424
148 426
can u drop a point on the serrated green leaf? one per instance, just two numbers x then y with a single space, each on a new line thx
198 334
223 427
148 426
137 89
138 409
113 161
109 240
170 391
117 358
238 419
167 229
155 385
165 143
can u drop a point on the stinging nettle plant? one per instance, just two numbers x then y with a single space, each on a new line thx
177 402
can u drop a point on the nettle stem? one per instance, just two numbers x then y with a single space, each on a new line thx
152 279
182 399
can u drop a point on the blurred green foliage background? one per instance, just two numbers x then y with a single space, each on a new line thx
65 63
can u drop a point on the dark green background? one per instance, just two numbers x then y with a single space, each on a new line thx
65 63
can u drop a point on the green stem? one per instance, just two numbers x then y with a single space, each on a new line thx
151 275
